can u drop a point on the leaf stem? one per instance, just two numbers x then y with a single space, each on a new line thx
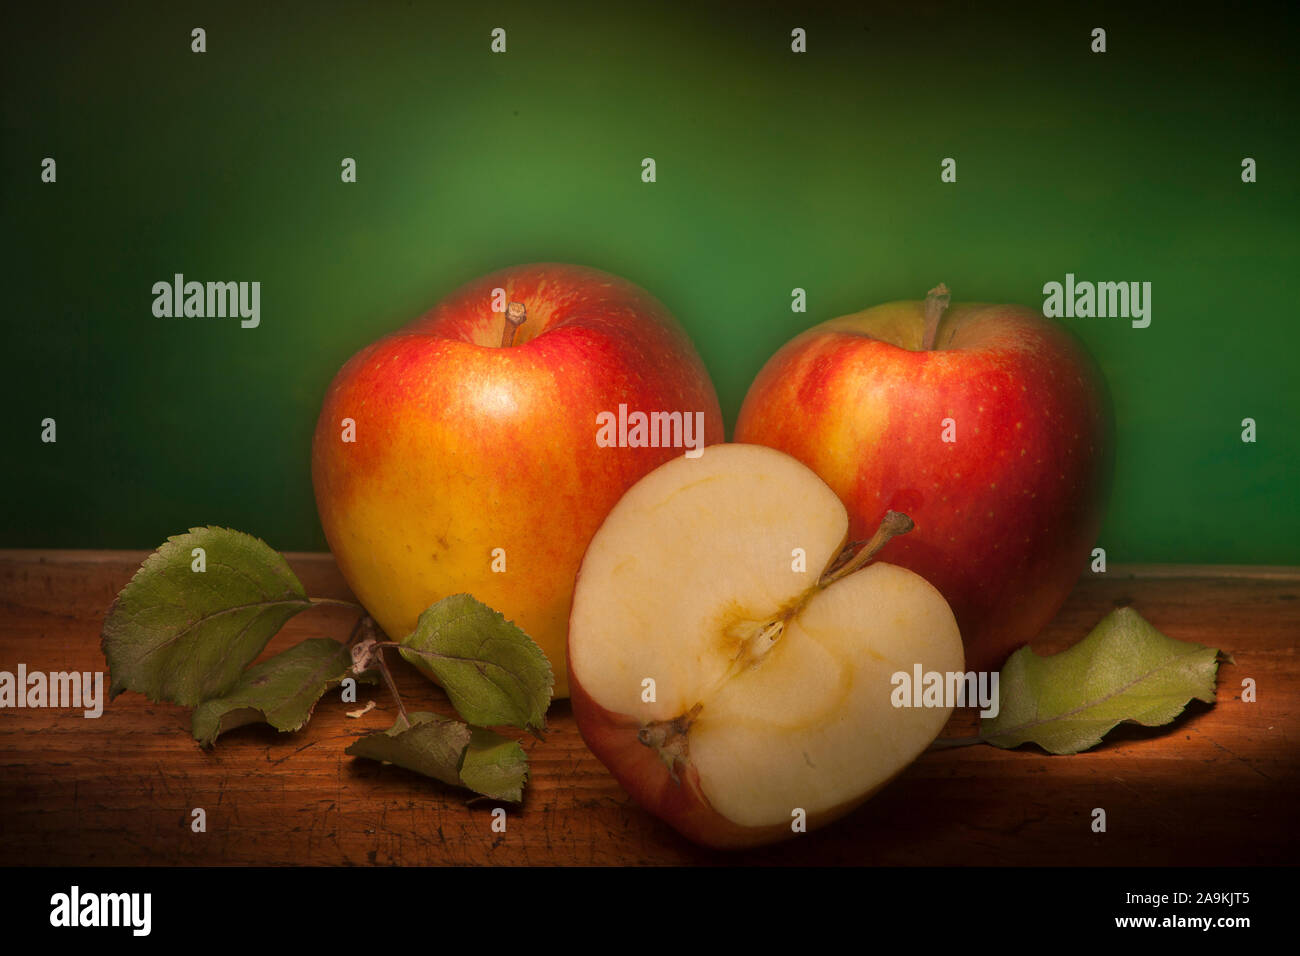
369 652
392 687
335 602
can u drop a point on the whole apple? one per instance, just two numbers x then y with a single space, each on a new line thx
472 450
989 425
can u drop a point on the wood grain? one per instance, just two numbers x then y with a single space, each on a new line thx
1217 787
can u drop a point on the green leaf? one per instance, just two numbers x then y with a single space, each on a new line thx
429 744
1124 670
492 671
282 691
452 752
494 766
178 634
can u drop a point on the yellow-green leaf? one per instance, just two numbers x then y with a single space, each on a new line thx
1124 670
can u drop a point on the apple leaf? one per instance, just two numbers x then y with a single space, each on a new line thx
1124 670
282 691
494 766
492 671
188 623
426 743
450 751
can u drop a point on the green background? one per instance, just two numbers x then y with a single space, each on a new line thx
775 170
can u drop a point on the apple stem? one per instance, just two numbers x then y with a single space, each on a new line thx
936 303
516 315
891 526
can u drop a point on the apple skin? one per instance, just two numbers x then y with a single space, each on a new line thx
1006 516
463 447
639 770
681 803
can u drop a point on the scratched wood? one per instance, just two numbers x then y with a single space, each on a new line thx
1218 787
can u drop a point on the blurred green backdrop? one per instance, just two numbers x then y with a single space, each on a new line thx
775 170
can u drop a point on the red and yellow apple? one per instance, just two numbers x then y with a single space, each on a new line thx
459 454
988 425
736 678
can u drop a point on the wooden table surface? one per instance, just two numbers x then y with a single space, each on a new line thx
1219 786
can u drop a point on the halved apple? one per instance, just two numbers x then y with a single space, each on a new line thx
727 663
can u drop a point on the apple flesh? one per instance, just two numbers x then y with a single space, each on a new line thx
994 437
474 465
771 685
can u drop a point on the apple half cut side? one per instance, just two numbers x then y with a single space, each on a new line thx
722 669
